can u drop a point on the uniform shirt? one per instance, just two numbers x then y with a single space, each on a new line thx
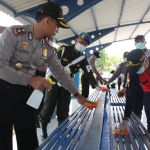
147 52
69 55
121 69
92 63
17 46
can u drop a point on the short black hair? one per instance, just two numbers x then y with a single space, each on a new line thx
39 17
139 37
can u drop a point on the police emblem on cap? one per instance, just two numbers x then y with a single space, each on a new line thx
130 63
83 35
24 45
18 65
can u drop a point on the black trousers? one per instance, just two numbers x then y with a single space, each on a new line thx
58 97
85 86
138 106
15 111
119 83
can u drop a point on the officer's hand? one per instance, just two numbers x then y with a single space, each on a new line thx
104 80
40 83
122 128
102 88
87 103
121 93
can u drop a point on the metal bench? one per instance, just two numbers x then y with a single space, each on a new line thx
138 138
71 133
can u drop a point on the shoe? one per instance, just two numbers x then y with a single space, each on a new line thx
43 131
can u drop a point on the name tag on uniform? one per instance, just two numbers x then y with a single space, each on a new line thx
89 68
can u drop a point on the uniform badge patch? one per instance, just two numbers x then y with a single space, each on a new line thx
19 31
30 36
44 53
83 36
24 45
64 59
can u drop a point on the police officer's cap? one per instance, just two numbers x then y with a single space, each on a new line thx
134 59
139 37
85 37
53 10
97 54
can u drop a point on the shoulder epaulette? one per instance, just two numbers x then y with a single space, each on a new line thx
19 31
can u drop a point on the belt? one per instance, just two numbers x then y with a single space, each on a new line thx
14 87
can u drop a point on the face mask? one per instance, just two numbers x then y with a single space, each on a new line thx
141 70
125 59
80 47
140 45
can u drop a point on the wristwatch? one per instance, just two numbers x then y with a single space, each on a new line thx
76 94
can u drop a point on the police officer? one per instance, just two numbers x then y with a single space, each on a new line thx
138 70
121 69
23 49
84 80
59 97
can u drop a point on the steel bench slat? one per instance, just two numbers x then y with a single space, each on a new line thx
64 132
73 131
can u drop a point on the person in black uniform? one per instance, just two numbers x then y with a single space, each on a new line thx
138 72
60 97
138 106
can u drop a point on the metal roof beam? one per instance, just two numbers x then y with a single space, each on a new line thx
95 35
74 8
122 9
94 17
72 29
96 48
140 21
11 9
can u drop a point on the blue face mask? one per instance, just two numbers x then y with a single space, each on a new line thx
140 45
141 70
80 47
125 59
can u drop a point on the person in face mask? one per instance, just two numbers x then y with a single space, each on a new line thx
138 107
140 44
120 70
138 72
72 59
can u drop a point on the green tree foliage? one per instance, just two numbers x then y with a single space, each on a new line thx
107 63
103 60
